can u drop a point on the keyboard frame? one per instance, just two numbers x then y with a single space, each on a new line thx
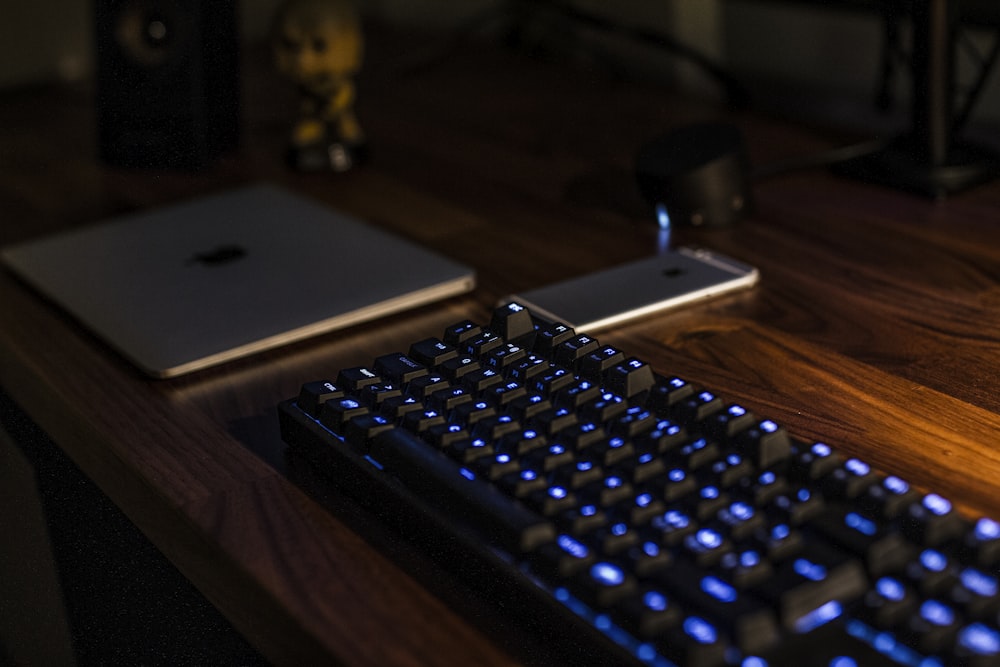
441 537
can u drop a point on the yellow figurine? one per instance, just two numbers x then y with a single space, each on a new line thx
318 46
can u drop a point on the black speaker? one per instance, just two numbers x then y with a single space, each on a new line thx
167 81
698 172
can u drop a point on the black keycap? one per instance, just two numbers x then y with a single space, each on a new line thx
728 423
481 344
811 462
649 612
848 480
353 379
440 481
888 498
812 583
504 358
697 407
553 501
314 394
668 392
765 443
512 322
593 365
374 395
432 351
881 547
572 350
889 603
458 333
550 336
458 367
694 642
604 583
933 521
630 378
749 622
981 544
360 430
336 412
565 557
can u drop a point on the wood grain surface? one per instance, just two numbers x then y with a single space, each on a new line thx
876 326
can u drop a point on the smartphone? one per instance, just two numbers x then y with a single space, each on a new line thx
633 290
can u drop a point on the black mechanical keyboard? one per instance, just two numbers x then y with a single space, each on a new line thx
645 520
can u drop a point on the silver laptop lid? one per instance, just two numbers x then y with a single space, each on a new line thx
199 283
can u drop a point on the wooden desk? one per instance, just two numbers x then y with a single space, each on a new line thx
876 326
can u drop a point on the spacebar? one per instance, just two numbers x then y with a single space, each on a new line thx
452 489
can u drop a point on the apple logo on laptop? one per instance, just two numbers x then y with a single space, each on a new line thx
218 256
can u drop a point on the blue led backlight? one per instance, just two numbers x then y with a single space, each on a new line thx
819 616
895 485
662 216
934 561
741 510
979 583
607 574
572 547
708 538
557 492
987 529
936 504
676 519
859 468
718 589
821 450
860 524
809 570
980 639
890 588
937 613
700 630
843 661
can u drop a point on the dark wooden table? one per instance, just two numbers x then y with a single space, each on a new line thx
876 326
